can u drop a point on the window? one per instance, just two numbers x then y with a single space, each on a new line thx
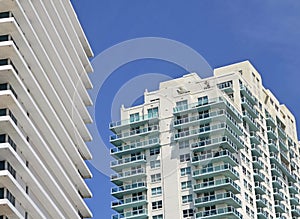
203 100
154 151
158 216
188 213
181 105
187 199
156 205
154 164
153 113
184 144
134 117
185 171
156 191
156 177
185 158
186 185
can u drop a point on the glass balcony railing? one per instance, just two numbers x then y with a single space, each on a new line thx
276 170
270 121
247 93
262 214
276 182
128 201
282 144
255 150
225 183
127 174
225 156
136 132
259 188
279 207
128 160
281 132
278 195
258 176
133 147
225 169
228 197
250 121
249 107
226 86
294 200
6 139
273 146
260 201
295 211
293 188
254 138
141 213
257 163
142 118
134 187
271 133
219 213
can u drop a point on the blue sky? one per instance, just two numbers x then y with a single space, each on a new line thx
265 32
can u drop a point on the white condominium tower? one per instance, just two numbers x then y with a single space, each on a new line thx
43 98
213 148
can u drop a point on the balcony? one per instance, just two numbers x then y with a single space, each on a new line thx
211 144
228 212
281 133
227 86
295 211
275 170
259 188
133 135
7 112
294 200
249 107
137 214
134 147
258 176
250 121
221 170
120 191
136 122
270 121
118 165
262 214
273 146
6 139
255 150
226 183
283 145
247 93
284 157
120 205
260 201
271 133
213 103
279 207
213 157
199 119
276 182
257 163
118 178
254 138
278 195
293 188
228 198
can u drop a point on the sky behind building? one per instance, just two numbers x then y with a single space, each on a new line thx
265 32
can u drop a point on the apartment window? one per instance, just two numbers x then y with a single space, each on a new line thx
157 205
156 177
158 217
154 151
203 100
152 113
187 199
185 157
184 144
186 185
154 164
134 117
185 171
188 213
156 191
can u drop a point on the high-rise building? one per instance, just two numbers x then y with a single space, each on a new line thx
217 147
43 98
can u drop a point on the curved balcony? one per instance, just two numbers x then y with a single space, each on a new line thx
120 191
118 165
118 178
221 170
137 214
228 212
120 205
226 183
134 147
213 157
227 197
117 139
141 120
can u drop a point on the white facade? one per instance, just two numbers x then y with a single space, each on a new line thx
43 115
219 147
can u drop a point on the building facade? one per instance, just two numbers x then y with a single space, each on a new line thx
219 147
43 98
